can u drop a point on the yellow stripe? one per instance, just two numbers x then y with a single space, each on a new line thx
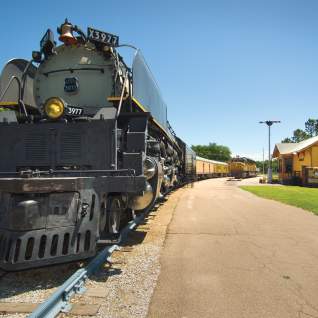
139 104
9 104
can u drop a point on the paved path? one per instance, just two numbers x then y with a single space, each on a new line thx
231 254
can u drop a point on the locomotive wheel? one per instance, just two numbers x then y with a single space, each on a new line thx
103 215
127 216
114 213
110 224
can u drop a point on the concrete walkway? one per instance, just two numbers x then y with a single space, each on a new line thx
231 254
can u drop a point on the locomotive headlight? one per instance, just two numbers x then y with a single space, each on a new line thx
54 108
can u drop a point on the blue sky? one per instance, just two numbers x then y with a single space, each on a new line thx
221 65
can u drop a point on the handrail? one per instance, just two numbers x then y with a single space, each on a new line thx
10 81
71 70
121 96
116 120
38 173
21 103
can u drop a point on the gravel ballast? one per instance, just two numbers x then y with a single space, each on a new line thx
122 289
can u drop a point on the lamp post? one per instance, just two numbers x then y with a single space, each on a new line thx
263 163
269 123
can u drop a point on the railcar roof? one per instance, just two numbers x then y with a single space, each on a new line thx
242 159
211 161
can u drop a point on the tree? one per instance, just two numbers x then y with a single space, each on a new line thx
287 140
259 165
311 130
299 135
213 151
311 127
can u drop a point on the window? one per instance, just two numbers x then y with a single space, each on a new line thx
301 156
288 165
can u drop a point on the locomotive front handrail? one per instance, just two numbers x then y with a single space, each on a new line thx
28 173
10 81
19 87
75 69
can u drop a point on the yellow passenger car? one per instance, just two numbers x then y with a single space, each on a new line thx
206 168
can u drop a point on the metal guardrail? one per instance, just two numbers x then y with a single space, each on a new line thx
59 300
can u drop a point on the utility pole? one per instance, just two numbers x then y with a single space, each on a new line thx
269 123
263 163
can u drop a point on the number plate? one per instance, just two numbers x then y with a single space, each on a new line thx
102 37
74 111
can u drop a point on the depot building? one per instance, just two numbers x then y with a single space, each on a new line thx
298 162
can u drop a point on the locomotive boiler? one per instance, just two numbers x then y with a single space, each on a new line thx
85 144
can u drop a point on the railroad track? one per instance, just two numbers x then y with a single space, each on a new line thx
60 300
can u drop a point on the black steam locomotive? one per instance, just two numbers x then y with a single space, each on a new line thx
85 144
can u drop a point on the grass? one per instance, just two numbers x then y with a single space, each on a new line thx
305 198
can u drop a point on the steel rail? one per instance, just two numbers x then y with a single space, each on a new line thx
59 300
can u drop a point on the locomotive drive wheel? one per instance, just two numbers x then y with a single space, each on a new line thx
114 215
127 216
103 215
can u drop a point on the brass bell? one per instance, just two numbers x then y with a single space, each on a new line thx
66 33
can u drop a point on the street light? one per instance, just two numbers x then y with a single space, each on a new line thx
269 123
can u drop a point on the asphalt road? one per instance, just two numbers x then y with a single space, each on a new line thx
231 254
